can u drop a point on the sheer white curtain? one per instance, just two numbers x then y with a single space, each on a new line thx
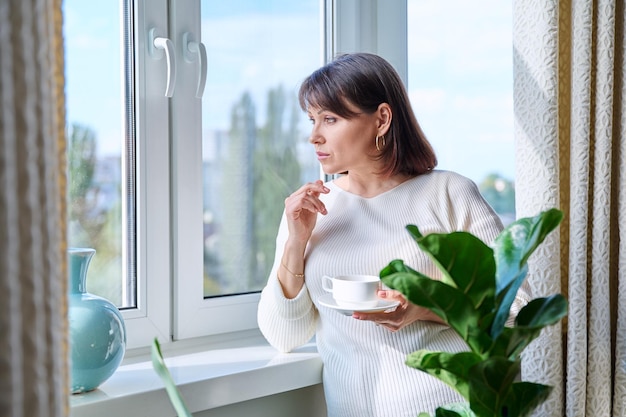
33 342
570 115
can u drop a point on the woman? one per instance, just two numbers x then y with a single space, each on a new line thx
365 129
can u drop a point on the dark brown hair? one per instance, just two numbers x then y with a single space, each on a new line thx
366 81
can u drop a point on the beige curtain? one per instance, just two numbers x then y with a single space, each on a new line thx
570 129
33 329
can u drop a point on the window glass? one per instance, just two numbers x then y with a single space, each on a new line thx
460 76
255 149
96 139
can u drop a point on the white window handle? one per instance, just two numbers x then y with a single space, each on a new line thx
192 48
155 45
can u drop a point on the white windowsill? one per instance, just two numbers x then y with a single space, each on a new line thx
227 373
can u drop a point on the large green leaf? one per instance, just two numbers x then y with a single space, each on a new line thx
170 386
512 341
397 265
466 262
525 397
451 368
518 241
455 410
504 301
452 410
490 382
533 317
449 303
542 312
512 248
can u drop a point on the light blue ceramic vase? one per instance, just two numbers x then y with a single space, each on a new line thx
96 327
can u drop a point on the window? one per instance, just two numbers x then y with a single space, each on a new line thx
186 138
181 194
153 176
108 164
461 85
254 150
96 134
254 134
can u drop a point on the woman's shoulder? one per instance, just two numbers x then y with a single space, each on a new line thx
443 177
445 184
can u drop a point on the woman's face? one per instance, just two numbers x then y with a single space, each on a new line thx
344 144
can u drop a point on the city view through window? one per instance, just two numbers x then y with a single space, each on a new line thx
254 133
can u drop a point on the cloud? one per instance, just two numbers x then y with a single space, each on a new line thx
428 100
461 82
453 36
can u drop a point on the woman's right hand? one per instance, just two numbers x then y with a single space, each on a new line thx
301 209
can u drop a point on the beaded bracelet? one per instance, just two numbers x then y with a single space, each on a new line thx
301 276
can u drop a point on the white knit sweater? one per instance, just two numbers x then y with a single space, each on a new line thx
365 374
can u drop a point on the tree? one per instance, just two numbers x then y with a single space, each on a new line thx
236 226
81 162
276 175
261 168
92 224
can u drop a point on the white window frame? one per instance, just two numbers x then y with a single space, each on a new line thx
152 316
376 26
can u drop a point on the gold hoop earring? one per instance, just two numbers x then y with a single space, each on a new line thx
383 138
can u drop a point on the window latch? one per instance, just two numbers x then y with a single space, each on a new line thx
191 48
156 46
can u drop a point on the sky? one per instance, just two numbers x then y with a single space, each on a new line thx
460 70
461 82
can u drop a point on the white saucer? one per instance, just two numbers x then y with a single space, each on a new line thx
328 301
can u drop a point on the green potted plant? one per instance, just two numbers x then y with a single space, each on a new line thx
474 298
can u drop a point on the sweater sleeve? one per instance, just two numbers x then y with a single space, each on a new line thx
285 323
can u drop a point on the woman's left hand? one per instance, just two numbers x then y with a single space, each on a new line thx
405 314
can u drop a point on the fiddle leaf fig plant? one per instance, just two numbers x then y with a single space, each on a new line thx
474 298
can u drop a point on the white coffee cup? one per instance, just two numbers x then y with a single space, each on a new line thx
353 291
